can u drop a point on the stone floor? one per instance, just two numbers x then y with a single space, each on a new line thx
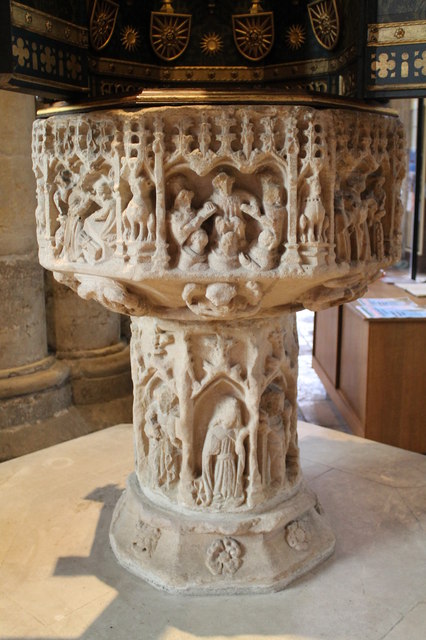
59 579
314 404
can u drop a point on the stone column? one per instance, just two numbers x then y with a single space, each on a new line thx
87 338
33 385
210 226
218 490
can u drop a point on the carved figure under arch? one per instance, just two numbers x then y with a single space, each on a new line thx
224 456
164 448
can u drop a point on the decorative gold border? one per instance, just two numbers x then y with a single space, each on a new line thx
397 86
284 71
173 97
392 33
42 82
44 24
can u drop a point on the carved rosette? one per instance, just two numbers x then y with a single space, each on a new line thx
224 557
210 226
221 212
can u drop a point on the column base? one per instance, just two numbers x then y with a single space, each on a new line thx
33 392
99 374
185 552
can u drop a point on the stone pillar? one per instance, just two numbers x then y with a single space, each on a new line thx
87 338
218 491
210 226
33 385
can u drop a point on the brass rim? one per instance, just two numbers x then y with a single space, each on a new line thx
182 97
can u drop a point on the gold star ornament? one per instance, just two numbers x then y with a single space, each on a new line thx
130 38
211 44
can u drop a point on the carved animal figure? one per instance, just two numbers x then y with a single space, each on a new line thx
312 212
138 218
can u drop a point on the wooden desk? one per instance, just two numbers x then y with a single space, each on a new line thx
375 370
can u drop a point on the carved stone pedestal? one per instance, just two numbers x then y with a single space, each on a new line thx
217 503
210 226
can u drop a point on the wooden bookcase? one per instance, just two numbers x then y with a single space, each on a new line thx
375 371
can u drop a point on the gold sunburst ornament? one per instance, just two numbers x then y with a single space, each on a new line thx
253 35
211 44
130 38
295 36
102 23
254 32
325 22
169 32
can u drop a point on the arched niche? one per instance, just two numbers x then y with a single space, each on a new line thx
204 406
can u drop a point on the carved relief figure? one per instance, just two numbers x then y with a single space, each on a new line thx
376 212
223 456
342 223
79 205
274 418
64 184
187 230
221 299
229 224
160 428
99 228
312 212
263 253
138 216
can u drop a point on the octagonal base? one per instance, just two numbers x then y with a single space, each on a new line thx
183 552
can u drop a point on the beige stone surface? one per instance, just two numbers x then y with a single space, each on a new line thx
218 211
33 385
59 578
210 226
87 338
23 325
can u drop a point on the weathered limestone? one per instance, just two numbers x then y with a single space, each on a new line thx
210 226
217 503
33 385
87 338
